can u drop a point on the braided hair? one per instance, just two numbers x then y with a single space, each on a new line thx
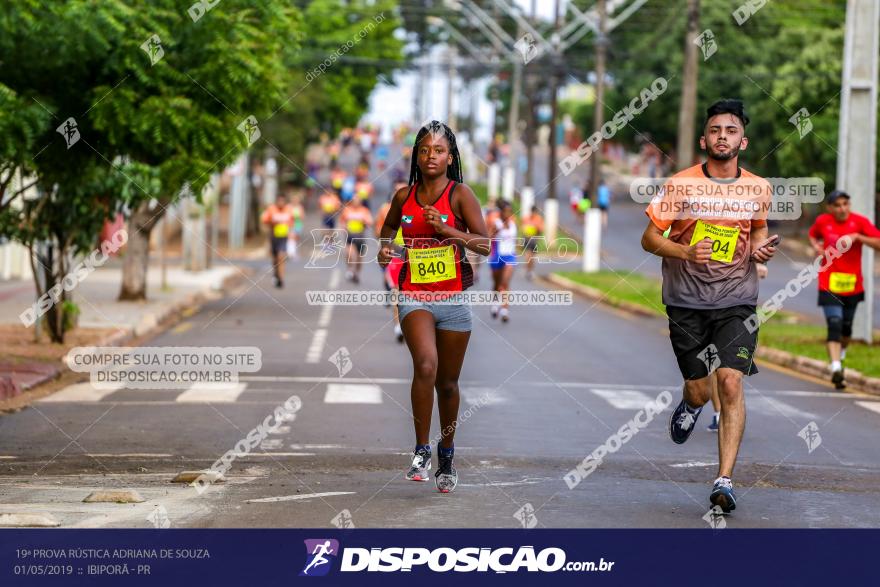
453 171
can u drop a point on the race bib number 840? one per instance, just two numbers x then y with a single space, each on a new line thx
723 239
431 265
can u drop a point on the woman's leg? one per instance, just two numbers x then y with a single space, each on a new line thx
419 333
506 275
451 347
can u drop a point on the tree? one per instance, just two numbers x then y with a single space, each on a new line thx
155 99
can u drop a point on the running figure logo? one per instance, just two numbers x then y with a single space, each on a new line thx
706 43
153 48
810 434
342 359
527 47
70 131
250 129
526 516
709 356
317 553
343 520
328 249
715 518
801 121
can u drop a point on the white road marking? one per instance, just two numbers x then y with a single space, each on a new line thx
313 355
278 454
271 444
283 379
298 497
316 446
280 430
126 455
326 314
482 396
624 399
775 407
693 464
345 393
334 280
81 392
201 393
873 406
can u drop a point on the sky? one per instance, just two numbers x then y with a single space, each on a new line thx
390 105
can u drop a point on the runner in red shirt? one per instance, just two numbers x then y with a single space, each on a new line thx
841 285
440 218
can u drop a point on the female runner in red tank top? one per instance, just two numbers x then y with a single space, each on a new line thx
440 217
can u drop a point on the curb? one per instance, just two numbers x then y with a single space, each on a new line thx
855 381
154 323
151 324
597 295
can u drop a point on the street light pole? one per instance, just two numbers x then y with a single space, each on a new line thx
598 112
857 139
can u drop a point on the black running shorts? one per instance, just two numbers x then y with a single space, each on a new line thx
704 340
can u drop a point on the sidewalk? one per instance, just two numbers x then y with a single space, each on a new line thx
103 320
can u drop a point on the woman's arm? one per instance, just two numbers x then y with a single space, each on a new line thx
468 209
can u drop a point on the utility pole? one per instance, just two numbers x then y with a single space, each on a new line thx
599 110
688 109
450 87
857 139
551 204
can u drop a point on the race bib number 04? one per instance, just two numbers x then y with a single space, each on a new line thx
431 265
842 282
723 239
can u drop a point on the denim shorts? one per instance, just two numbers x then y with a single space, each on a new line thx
455 317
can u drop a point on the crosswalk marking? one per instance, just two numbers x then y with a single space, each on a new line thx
624 399
873 406
346 393
772 406
80 392
211 393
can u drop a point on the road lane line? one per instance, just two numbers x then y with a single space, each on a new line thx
873 406
334 280
624 399
298 497
326 314
211 393
344 393
313 355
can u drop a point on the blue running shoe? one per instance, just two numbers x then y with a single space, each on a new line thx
713 425
722 495
682 421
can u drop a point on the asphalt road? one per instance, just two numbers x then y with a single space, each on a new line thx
539 394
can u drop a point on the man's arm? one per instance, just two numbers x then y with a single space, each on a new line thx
655 243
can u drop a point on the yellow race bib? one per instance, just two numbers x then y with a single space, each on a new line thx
329 208
431 265
723 239
280 230
842 282
398 238
355 226
530 230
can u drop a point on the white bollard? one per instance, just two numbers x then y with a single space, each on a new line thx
507 185
551 219
592 240
527 200
494 184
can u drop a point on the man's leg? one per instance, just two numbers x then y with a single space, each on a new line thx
733 418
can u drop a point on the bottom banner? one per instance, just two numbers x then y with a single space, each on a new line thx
252 557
